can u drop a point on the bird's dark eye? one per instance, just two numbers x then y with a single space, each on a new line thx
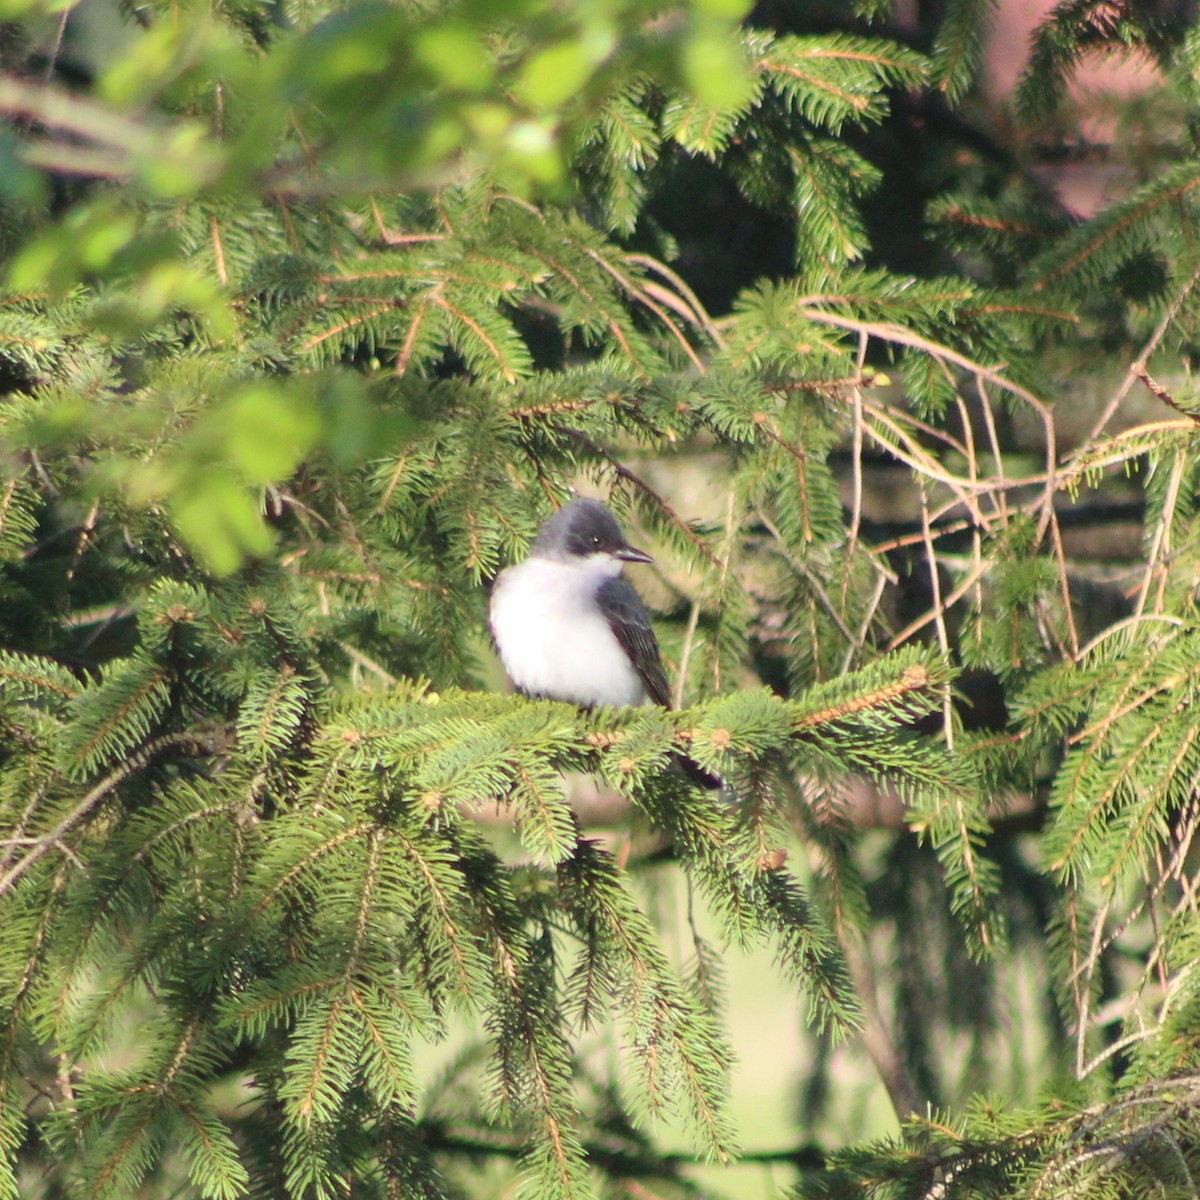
595 542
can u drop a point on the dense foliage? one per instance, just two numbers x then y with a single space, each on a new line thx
310 314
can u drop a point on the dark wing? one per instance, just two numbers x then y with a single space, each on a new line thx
630 623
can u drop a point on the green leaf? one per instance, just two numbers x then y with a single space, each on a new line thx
221 520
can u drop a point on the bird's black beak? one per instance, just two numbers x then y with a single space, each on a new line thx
629 554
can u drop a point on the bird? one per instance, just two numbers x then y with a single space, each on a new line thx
569 626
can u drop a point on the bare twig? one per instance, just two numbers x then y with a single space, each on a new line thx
856 449
1156 389
808 575
689 636
939 617
1139 363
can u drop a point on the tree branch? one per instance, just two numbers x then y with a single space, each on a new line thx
42 845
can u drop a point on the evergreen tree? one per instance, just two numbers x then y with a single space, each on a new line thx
310 314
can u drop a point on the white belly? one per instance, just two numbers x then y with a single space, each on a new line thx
553 640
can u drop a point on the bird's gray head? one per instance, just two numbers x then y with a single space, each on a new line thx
584 529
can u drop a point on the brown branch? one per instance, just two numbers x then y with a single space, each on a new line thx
877 1040
1157 390
914 678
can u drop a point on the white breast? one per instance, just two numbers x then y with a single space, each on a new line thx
552 638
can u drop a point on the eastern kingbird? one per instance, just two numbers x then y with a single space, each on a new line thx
569 626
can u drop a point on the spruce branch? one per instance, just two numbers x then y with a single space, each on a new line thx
912 682
194 743
410 376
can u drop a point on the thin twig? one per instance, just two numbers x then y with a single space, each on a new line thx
700 314
685 653
1157 390
860 638
1161 542
1160 331
931 614
808 575
856 449
1064 583
939 616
